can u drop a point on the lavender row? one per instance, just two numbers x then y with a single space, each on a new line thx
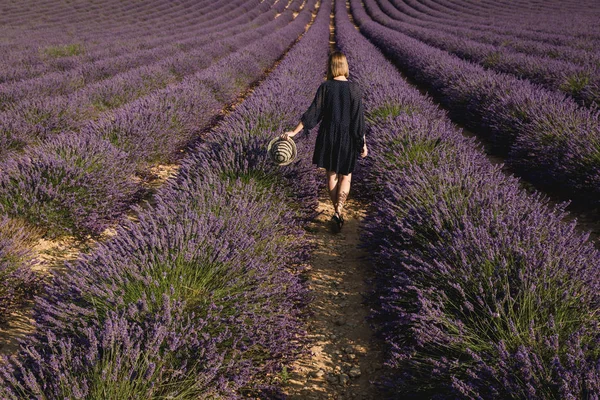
199 299
78 57
563 38
231 10
72 79
42 34
195 296
77 183
126 24
78 78
517 12
544 19
77 53
550 12
32 121
505 29
17 280
63 11
543 135
481 291
70 52
505 39
581 83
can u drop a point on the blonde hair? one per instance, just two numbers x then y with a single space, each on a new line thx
337 65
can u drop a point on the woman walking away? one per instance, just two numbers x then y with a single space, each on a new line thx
338 106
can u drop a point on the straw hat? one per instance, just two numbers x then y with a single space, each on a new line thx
282 151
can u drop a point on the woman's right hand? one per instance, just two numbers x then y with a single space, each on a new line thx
287 135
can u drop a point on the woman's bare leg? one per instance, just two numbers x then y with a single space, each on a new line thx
332 186
343 190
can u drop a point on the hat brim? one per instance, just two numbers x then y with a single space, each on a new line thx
294 151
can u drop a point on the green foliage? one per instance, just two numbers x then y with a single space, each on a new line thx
575 83
44 212
196 280
265 122
112 378
65 50
404 151
50 121
284 375
263 181
13 142
103 102
389 110
492 59
16 241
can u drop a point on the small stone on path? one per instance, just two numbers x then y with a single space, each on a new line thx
343 378
354 372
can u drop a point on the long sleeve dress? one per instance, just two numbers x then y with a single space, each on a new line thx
338 106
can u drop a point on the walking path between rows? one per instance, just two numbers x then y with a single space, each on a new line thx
344 357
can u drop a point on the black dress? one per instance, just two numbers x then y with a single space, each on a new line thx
338 106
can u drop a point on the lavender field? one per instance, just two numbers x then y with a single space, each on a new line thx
133 138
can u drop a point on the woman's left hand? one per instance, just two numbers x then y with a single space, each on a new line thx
287 135
364 151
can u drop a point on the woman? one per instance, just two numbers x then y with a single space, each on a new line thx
338 106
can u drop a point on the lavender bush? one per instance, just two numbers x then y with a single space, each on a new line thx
200 296
17 281
30 121
156 127
481 290
521 120
153 129
132 355
72 184
581 83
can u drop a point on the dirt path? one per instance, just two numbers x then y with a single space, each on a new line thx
343 358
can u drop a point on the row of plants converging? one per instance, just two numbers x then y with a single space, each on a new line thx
543 135
156 63
576 50
201 296
78 183
556 22
481 290
56 46
34 118
582 83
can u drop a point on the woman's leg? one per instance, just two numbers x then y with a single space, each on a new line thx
332 186
343 190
